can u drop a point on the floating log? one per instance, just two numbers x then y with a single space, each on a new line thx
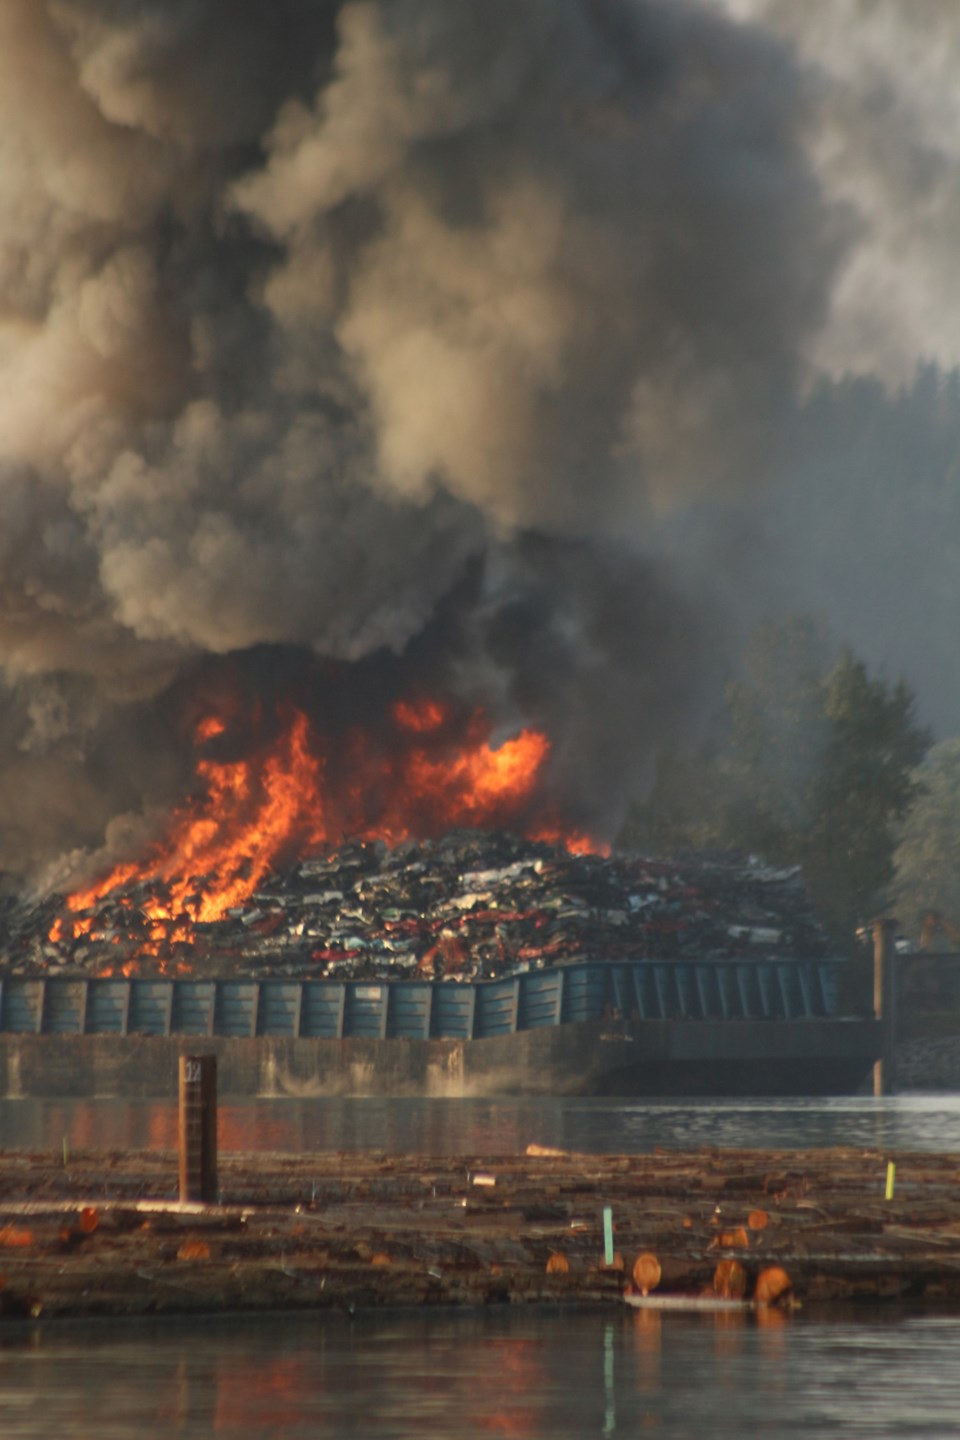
646 1273
321 1230
687 1303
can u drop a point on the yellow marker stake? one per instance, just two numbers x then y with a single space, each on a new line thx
891 1172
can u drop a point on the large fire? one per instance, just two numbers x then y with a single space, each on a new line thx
431 771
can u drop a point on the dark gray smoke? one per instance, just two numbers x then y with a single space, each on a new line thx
321 323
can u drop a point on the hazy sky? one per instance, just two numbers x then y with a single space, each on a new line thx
547 342
884 139
863 511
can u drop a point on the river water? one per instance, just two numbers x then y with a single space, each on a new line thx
494 1127
434 1376
870 1372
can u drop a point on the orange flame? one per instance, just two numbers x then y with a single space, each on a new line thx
420 716
221 846
209 728
305 792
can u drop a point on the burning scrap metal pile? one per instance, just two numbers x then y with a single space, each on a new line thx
349 359
354 352
348 352
422 850
470 905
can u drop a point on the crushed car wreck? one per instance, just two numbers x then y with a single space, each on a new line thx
470 906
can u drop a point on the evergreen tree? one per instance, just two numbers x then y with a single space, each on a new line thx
815 768
927 857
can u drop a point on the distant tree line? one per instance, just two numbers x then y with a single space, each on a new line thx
817 764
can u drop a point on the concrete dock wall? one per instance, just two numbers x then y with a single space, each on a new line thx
593 1058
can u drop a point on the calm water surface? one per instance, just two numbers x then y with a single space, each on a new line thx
500 1372
485 1374
495 1127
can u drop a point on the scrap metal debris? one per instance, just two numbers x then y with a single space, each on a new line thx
470 906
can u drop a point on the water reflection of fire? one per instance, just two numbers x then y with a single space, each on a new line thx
426 772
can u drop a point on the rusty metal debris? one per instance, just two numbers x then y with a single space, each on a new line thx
469 906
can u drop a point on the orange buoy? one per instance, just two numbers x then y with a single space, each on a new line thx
758 1219
557 1264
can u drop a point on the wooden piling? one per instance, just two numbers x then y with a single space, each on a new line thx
885 1003
198 1128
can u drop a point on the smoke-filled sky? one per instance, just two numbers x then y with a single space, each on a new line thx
546 342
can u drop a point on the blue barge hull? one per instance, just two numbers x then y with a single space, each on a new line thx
717 1027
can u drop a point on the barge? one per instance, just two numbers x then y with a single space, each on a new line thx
644 1028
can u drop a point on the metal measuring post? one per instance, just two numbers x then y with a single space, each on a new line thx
198 1128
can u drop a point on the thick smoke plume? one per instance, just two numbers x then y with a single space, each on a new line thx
884 141
388 328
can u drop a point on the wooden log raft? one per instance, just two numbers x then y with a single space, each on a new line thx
104 1233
